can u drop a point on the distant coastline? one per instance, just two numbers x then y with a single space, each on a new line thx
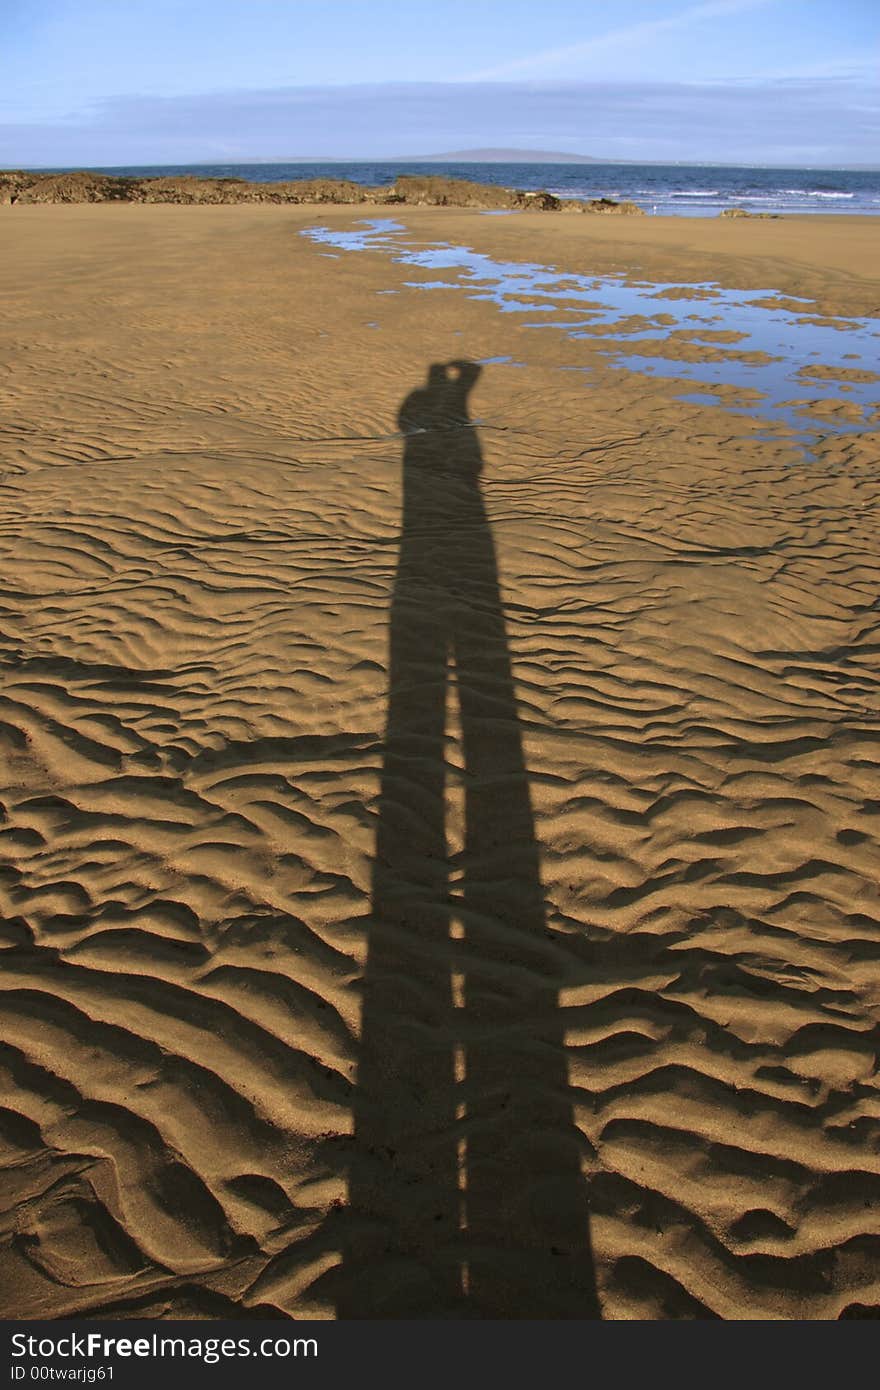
495 156
520 157
516 157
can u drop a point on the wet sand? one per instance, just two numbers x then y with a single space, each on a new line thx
439 851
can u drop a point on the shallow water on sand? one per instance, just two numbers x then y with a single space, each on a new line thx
758 340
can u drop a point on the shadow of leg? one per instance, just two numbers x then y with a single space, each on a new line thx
403 1259
527 1233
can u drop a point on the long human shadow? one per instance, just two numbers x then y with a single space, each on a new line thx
466 1197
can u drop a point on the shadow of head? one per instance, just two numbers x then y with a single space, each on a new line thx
458 376
435 420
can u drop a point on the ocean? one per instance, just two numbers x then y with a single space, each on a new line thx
667 189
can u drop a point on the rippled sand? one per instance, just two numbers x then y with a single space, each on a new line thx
439 856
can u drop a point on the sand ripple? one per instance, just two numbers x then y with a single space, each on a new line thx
199 541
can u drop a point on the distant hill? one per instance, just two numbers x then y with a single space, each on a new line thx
500 157
453 157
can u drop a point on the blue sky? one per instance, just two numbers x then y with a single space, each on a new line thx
175 81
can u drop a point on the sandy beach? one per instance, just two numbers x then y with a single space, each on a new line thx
439 844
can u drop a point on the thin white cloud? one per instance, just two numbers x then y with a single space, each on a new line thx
536 63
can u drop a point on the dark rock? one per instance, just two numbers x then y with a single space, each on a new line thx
417 190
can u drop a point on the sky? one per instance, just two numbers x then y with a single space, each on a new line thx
117 82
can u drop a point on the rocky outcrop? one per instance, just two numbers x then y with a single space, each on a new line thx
606 205
432 190
411 190
20 187
744 212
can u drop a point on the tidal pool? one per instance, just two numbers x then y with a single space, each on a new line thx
759 340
